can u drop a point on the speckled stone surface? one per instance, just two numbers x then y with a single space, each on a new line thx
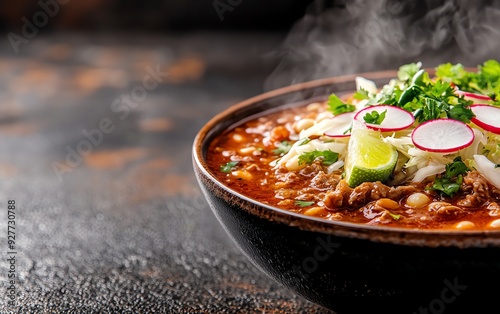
122 227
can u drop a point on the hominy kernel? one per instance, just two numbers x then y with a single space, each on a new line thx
247 150
238 138
387 203
242 174
280 185
417 200
314 106
315 211
323 116
495 223
465 225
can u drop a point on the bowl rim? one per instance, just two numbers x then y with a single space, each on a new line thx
459 238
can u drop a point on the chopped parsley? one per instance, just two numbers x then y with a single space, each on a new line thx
449 182
374 117
303 203
283 148
328 157
228 167
337 106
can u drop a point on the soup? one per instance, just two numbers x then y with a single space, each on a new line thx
420 152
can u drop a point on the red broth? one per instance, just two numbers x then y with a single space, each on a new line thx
242 158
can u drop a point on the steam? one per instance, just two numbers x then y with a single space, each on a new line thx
356 36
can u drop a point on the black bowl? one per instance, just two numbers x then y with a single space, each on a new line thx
347 267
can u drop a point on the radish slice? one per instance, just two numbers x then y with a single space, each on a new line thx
488 170
442 136
487 117
395 118
477 98
341 125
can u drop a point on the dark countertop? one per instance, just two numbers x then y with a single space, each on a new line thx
118 224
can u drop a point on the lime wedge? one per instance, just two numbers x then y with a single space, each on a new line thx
369 158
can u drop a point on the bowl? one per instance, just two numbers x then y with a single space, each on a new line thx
342 266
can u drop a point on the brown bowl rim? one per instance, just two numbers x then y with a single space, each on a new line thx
378 233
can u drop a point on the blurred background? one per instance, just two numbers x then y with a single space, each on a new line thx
100 102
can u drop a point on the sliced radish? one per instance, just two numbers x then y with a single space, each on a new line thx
477 98
488 170
395 118
442 136
341 125
487 117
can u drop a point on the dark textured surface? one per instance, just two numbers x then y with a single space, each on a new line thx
127 229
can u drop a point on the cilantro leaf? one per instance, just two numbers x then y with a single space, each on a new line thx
445 186
452 73
283 148
389 95
228 167
461 113
337 106
433 100
374 117
449 183
394 216
407 71
328 157
303 203
361 94
485 81
456 168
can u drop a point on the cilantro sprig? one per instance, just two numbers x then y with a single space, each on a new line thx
426 98
449 182
327 157
337 106
429 100
283 148
361 94
303 203
408 71
486 80
394 216
229 166
374 117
